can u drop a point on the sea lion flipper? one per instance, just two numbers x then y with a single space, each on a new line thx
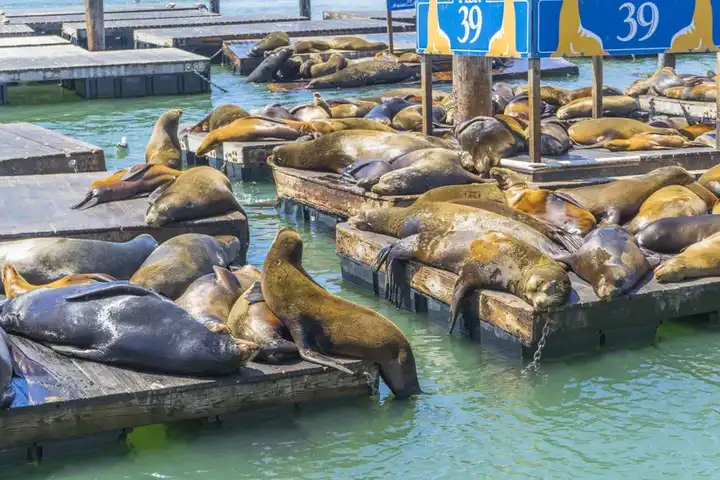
136 171
381 257
110 289
157 193
570 241
320 359
460 292
90 200
654 258
254 294
565 261
89 353
567 198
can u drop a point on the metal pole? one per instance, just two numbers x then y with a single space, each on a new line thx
305 8
390 32
426 85
534 101
95 25
597 67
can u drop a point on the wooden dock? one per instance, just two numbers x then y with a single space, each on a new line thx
698 111
584 325
402 16
207 41
101 398
39 206
115 74
26 149
36 41
65 10
119 33
15 30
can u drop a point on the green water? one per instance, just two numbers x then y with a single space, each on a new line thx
645 413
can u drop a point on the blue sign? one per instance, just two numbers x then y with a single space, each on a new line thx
394 5
570 28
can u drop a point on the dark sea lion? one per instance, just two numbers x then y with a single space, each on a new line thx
200 192
554 208
520 107
45 260
501 95
323 324
270 42
587 92
699 260
673 235
610 261
268 68
441 217
274 111
366 72
210 298
477 191
554 138
555 96
414 94
488 140
386 111
175 264
310 46
310 112
618 201
673 201
219 117
665 121
597 131
7 364
334 63
365 173
711 180
648 141
123 324
290 70
614 106
247 275
164 145
247 129
129 183
335 151
411 118
15 284
357 44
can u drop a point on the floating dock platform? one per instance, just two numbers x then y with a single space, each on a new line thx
119 33
26 149
698 111
105 399
584 325
117 74
207 41
129 8
16 30
402 16
39 206
36 41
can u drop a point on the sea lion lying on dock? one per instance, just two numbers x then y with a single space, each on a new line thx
673 235
335 63
357 44
411 118
164 145
614 106
219 117
272 41
699 260
554 138
364 72
488 140
247 129
673 201
387 109
649 141
15 284
310 46
555 96
588 91
596 132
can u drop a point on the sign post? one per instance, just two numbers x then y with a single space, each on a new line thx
392 6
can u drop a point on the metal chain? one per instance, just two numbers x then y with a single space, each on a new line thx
208 81
535 363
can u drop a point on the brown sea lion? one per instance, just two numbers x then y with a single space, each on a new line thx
694 131
411 118
673 235
555 208
335 151
128 183
615 106
614 202
200 192
175 264
319 101
219 117
436 95
648 141
306 66
210 298
488 140
323 324
339 124
555 96
476 191
365 72
699 260
351 108
270 42
357 44
711 180
246 130
673 201
310 46
700 91
247 275
15 284
520 107
164 145
410 57
310 112
588 91
334 63
597 131
639 87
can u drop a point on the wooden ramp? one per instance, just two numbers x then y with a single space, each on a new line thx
36 41
584 325
15 30
402 16
101 398
678 108
26 149
209 40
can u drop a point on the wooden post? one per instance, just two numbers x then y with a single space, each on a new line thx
95 24
305 10
215 6
390 32
597 68
534 101
717 102
426 84
666 60
472 85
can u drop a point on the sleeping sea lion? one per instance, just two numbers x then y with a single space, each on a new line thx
488 140
7 370
618 201
273 112
699 260
587 92
270 42
555 208
501 94
365 173
711 180
615 106
664 79
339 124
411 118
123 324
700 91
386 111
520 107
357 44
323 324
436 95
128 183
595 132
15 284
246 130
164 145
554 138
476 191
673 235
219 117
709 139
694 131
351 109
310 46
310 112
648 141
175 264
210 298
268 68
555 96
673 201
335 63
366 72
200 192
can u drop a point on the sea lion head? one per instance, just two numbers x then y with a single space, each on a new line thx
288 246
613 281
674 175
373 220
546 285
170 120
506 178
246 350
671 270
285 155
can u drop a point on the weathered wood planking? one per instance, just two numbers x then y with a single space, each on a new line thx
583 325
678 108
15 30
130 8
120 32
403 16
36 41
39 206
26 149
102 398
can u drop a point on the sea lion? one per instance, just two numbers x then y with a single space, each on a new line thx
363 73
306 66
648 141
673 235
319 101
694 131
711 180
664 79
554 138
323 324
123 324
441 217
335 151
45 260
386 111
128 183
210 298
665 121
595 132
339 124
247 275
270 42
700 90
673 201
356 44
501 94
488 140
552 207
614 202
15 284
351 109
709 139
310 112
699 260
615 106
310 46
588 92
555 96
411 118
200 192
365 173
436 95
164 145
520 107
410 57
476 191
274 112
7 368
290 70
268 68
246 130
610 261
175 264
219 117
334 63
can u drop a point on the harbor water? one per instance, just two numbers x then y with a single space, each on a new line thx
643 413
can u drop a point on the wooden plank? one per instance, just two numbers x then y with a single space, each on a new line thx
15 30
110 9
36 41
534 101
670 106
403 16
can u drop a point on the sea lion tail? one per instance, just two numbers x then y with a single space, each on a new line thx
90 200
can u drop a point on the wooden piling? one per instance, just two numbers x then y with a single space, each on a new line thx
534 101
95 21
215 6
305 8
597 67
472 84
426 79
666 60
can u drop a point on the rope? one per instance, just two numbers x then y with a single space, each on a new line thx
208 81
